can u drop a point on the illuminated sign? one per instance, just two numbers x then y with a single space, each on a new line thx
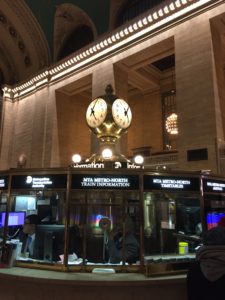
4 182
106 165
80 181
171 183
39 181
213 185
89 166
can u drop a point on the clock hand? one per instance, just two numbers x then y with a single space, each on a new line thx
92 109
126 112
92 112
95 103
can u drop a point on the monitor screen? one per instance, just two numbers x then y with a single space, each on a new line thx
25 202
14 218
49 242
212 218
50 239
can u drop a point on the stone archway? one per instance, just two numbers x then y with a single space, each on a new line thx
68 18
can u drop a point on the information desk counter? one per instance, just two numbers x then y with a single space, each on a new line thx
154 265
22 283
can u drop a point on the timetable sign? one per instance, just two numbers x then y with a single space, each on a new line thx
4 182
171 183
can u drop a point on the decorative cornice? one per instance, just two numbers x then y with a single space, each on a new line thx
157 19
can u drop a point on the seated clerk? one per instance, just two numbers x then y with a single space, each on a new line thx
27 236
206 276
115 244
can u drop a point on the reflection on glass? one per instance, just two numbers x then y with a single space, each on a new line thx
41 237
106 215
168 219
100 220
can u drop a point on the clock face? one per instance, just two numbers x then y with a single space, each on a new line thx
121 113
96 112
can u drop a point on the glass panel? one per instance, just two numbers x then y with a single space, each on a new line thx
214 210
3 203
112 228
77 220
168 219
103 212
42 234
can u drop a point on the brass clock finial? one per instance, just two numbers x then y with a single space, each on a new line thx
109 89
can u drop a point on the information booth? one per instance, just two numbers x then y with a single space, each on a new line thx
157 218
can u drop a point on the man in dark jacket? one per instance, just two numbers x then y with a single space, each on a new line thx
27 236
123 246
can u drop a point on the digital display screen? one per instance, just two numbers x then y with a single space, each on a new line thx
24 203
14 219
213 218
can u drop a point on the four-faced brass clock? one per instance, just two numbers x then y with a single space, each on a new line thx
108 117
96 112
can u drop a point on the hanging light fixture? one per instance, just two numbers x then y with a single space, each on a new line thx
171 124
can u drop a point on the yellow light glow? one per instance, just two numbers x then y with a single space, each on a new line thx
107 153
139 159
171 124
76 158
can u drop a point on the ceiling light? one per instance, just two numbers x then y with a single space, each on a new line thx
139 159
76 158
107 153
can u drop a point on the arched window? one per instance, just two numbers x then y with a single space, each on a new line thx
133 8
79 38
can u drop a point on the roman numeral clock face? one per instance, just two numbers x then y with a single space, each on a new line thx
96 112
121 113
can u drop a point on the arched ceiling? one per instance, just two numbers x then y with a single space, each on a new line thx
33 33
67 19
23 49
30 31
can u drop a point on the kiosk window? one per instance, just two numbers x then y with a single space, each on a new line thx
49 242
104 212
167 217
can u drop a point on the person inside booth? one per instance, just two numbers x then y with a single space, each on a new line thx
117 240
27 236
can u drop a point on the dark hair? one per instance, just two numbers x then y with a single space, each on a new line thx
33 219
214 236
